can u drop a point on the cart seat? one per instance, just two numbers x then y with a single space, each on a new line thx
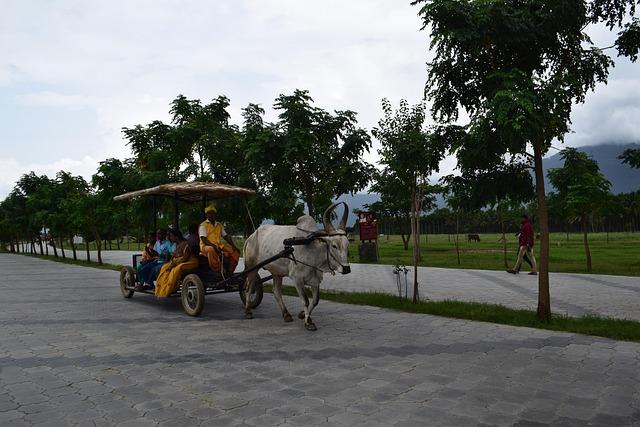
208 276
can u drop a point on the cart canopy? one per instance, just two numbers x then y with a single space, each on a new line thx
190 191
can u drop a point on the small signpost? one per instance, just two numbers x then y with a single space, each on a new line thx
368 228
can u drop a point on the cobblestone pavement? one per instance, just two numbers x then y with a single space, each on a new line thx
574 294
73 351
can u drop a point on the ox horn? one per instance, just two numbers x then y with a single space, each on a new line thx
326 218
345 215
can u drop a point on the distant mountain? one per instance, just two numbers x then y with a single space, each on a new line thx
624 179
357 201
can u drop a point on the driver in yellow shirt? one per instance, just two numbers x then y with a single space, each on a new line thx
211 234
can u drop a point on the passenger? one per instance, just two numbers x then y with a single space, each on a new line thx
211 234
148 253
149 272
183 259
193 239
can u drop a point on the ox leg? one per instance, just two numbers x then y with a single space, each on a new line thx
308 323
277 294
315 297
248 290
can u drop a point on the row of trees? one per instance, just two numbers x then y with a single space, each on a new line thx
67 205
618 213
305 159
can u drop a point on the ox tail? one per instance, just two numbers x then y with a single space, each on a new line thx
247 261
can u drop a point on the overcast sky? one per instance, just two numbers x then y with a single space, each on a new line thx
74 72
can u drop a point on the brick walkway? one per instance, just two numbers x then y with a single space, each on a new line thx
74 352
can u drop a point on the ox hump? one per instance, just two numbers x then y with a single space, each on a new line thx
307 223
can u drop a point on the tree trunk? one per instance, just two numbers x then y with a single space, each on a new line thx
310 207
73 248
40 244
544 299
86 246
405 241
99 247
456 238
118 244
504 245
416 243
64 256
586 242
418 208
53 245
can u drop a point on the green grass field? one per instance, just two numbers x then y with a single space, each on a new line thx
619 256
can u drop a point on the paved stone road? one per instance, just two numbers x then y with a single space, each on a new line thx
574 294
74 352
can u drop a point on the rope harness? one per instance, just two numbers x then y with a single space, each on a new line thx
317 235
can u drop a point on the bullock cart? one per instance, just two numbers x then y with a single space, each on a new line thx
195 284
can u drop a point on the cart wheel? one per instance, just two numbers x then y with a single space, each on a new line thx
127 280
192 294
256 296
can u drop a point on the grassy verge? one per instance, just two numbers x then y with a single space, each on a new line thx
627 330
82 263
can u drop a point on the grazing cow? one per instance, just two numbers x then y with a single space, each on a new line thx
326 251
474 237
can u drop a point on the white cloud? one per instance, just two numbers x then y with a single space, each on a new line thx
53 99
610 115
11 170
120 63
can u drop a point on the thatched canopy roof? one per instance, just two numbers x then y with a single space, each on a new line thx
190 191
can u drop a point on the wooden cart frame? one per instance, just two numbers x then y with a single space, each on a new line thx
196 284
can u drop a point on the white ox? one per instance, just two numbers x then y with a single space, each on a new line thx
327 252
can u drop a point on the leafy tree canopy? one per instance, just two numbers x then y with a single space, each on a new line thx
309 152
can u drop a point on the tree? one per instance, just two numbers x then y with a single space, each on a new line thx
275 198
115 177
203 140
154 154
72 187
394 203
516 69
410 155
582 188
313 154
